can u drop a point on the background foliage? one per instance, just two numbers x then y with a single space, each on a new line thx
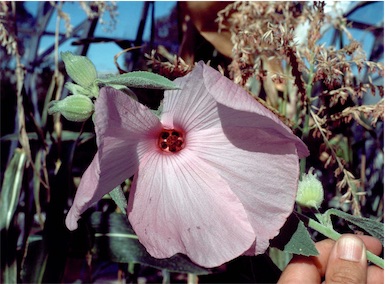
301 61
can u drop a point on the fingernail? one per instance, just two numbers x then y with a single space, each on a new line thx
350 248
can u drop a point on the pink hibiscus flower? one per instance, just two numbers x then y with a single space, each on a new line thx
214 177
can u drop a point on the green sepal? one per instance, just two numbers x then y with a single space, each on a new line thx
139 79
79 68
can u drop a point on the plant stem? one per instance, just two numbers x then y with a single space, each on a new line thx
330 233
309 87
306 128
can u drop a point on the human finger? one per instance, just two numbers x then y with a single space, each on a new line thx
302 269
375 275
312 269
347 261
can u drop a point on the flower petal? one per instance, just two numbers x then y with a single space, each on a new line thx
179 204
260 169
247 145
228 94
194 106
259 160
125 130
191 107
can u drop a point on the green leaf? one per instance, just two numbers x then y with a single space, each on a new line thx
118 197
295 238
66 135
36 184
373 227
35 261
280 258
140 79
15 136
9 272
79 68
9 199
11 187
116 241
301 242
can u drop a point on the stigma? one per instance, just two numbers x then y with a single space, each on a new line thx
171 140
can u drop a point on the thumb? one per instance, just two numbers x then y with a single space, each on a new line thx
347 261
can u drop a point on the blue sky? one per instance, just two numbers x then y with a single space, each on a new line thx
102 54
129 13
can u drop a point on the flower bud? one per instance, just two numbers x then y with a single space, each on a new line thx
310 191
79 68
76 89
90 91
74 108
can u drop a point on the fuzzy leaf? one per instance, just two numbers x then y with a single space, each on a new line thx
139 79
374 228
301 242
116 241
11 187
294 238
